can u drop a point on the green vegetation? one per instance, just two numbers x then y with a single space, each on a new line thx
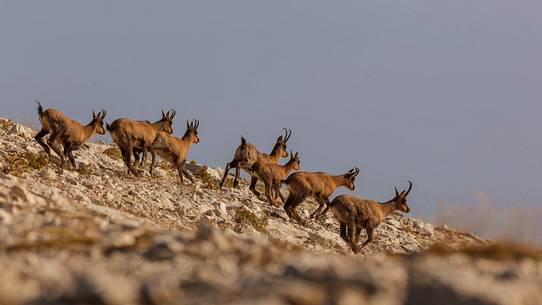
242 215
19 165
208 181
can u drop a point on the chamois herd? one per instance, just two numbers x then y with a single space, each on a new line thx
137 138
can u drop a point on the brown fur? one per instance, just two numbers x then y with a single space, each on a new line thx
174 149
68 132
273 174
318 185
133 137
247 154
355 213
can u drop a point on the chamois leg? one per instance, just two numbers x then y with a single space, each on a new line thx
277 191
293 208
369 236
288 204
269 193
321 205
136 158
358 232
68 153
328 206
180 170
51 142
351 237
343 234
188 175
123 152
226 171
144 158
237 176
128 161
252 187
153 160
39 139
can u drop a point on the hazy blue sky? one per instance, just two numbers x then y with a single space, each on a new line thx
446 93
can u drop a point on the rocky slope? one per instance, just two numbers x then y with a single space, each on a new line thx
100 236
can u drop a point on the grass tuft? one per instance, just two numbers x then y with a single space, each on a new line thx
22 164
113 152
208 181
242 215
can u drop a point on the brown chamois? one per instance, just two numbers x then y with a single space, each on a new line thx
174 149
318 185
133 137
272 175
355 213
247 154
70 133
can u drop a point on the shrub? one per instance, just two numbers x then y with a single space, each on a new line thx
113 152
19 165
242 215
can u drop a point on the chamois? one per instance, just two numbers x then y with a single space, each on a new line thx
247 154
133 137
355 213
273 174
70 133
174 149
318 185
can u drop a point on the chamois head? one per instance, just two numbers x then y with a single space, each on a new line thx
281 144
294 158
98 121
350 178
401 199
167 121
192 131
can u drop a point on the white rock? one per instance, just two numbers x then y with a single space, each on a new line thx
5 217
22 131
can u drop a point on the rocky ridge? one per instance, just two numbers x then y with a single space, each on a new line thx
98 235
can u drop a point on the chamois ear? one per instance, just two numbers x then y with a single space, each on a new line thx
103 114
187 125
93 114
163 115
173 112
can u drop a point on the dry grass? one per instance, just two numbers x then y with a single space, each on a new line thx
113 152
242 215
208 181
20 165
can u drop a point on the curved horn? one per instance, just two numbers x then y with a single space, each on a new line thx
288 134
409 188
356 171
103 114
197 124
284 138
396 192
167 115
173 112
163 114
187 124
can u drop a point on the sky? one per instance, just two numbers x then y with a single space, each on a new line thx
444 93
